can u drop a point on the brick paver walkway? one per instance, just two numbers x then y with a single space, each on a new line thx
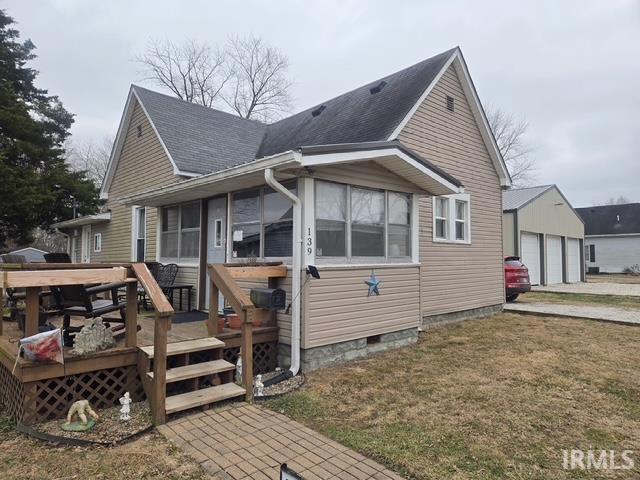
242 441
590 312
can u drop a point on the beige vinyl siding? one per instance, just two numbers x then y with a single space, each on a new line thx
458 277
337 307
97 257
143 164
366 174
507 233
550 214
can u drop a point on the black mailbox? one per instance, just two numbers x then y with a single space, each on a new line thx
271 298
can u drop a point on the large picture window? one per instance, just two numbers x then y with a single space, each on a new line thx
262 223
180 233
361 223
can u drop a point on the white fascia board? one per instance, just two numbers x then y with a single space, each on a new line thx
362 155
476 107
613 235
288 158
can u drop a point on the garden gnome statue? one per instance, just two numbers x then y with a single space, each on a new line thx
239 367
259 386
126 407
79 408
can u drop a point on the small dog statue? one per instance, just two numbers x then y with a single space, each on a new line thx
81 408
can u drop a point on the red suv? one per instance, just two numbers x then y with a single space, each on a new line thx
516 278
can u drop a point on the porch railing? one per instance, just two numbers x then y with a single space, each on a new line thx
223 279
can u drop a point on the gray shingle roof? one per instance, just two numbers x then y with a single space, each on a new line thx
611 219
518 197
204 140
200 139
356 116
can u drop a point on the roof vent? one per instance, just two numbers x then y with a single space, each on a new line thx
377 88
450 103
318 110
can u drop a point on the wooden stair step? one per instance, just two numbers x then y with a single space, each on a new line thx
188 346
185 401
196 370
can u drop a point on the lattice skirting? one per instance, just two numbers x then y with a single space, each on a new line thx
50 399
265 356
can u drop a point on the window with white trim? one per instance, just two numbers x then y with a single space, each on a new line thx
97 242
262 223
180 233
452 218
357 224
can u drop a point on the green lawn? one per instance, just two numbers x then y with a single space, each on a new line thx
490 399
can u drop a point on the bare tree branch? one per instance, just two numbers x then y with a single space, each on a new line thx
509 133
193 71
260 88
621 200
92 157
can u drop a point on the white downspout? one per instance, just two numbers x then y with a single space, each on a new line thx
296 265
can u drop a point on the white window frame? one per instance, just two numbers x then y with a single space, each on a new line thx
135 232
446 218
413 256
190 262
217 233
451 219
97 242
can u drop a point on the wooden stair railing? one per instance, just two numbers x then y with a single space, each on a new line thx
223 279
163 314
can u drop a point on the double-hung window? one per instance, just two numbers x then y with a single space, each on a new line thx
357 224
180 233
262 223
452 219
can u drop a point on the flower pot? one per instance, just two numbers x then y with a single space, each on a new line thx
234 321
221 323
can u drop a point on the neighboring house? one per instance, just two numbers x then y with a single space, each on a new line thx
31 254
541 227
400 177
612 237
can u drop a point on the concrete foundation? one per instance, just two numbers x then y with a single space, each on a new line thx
314 358
455 317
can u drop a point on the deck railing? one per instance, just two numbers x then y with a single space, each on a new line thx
223 279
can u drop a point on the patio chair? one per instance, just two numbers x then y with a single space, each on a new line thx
165 276
13 296
57 257
76 300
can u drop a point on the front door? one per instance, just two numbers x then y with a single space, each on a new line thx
85 246
216 237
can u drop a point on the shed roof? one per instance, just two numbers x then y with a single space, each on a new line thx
516 198
611 219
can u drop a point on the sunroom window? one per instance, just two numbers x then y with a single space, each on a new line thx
262 223
358 224
180 233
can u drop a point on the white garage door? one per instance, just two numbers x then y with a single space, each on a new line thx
554 259
530 248
573 260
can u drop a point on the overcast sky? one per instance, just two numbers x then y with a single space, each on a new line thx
571 69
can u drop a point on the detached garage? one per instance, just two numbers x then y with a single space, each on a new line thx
541 227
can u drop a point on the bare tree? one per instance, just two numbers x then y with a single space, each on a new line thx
49 241
92 157
192 71
621 200
509 133
259 87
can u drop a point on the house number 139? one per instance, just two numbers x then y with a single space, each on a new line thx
309 242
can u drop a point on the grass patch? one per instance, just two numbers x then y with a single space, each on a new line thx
493 399
619 301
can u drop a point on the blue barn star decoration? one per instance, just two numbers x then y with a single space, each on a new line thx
373 283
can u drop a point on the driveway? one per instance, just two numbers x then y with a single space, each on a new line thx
586 311
628 289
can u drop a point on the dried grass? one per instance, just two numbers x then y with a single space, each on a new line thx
490 399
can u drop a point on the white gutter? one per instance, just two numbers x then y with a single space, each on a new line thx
296 265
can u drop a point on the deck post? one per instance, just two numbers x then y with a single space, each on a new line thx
212 321
131 318
1 309
159 384
247 353
32 311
